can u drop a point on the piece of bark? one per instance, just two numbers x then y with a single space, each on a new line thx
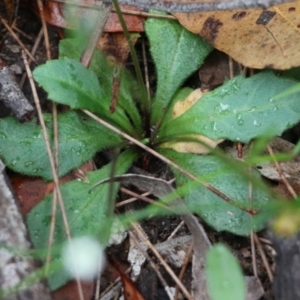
13 97
188 6
13 235
136 251
287 275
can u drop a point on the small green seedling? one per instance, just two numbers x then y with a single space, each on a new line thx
240 110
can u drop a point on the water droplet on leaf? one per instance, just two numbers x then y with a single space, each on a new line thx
3 136
256 123
28 163
224 106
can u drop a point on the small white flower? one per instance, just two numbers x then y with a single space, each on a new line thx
83 257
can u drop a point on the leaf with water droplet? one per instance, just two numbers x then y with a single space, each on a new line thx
215 211
104 69
78 141
79 88
190 143
85 211
224 275
176 53
255 103
256 123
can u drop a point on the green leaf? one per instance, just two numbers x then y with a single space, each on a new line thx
215 211
177 53
240 110
22 146
224 275
104 70
68 82
85 211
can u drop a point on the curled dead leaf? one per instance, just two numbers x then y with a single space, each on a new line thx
200 144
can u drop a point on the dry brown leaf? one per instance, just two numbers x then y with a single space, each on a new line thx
216 69
31 190
70 291
115 45
191 147
130 290
256 38
54 14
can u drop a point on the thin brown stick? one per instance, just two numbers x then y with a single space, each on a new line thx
15 28
111 285
146 199
45 29
152 264
56 164
162 261
55 177
253 254
146 70
55 194
98 282
4 22
230 64
115 285
33 50
265 241
145 14
168 161
100 22
117 296
281 174
51 233
130 200
183 268
264 258
136 195
175 230
134 198
55 134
